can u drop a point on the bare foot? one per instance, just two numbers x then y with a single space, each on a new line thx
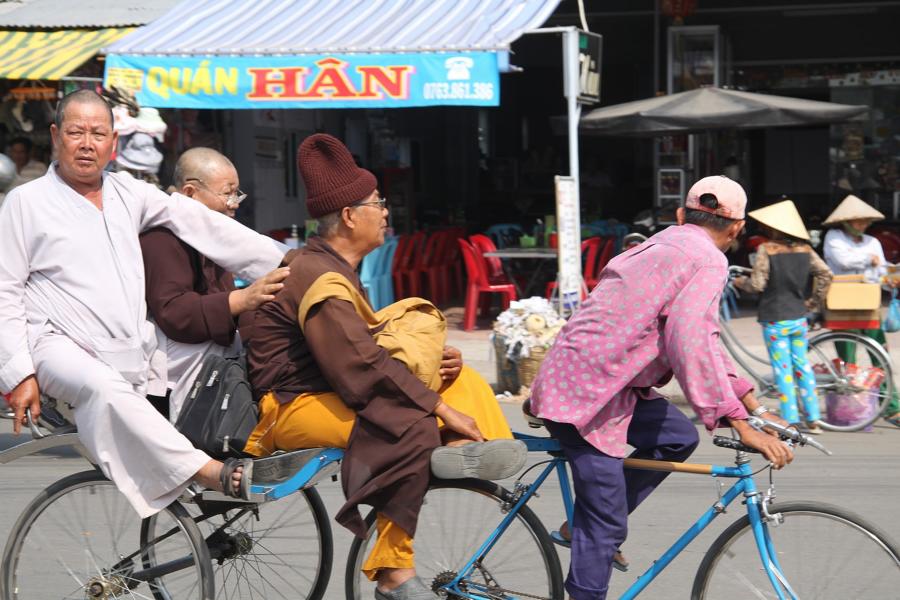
210 476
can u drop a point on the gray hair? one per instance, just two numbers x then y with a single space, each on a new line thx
81 97
327 225
196 163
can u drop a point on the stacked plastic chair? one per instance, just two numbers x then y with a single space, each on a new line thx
375 274
368 274
478 285
406 279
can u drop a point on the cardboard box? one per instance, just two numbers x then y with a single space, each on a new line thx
853 304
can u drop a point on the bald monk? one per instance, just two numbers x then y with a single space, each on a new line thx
192 300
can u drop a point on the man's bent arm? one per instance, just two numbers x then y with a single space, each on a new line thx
695 354
15 356
223 240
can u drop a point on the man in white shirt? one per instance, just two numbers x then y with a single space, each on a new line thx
72 307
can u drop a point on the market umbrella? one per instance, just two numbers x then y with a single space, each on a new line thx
711 108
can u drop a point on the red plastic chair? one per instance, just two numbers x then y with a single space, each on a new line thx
478 284
406 279
597 251
890 242
484 244
429 264
605 254
453 259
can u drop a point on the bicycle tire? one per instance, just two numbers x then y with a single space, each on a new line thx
443 543
823 349
282 548
98 545
825 552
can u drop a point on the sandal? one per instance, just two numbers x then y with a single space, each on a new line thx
228 468
893 420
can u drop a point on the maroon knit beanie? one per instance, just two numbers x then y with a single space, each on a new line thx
332 178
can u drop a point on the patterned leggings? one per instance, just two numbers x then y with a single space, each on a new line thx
787 346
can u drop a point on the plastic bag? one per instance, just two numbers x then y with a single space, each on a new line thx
892 319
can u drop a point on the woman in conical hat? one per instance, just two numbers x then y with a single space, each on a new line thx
848 250
781 274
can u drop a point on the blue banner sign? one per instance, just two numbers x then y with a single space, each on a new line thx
308 81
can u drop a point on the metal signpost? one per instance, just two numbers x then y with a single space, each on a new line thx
582 53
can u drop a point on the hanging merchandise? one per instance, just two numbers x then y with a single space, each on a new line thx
34 92
138 152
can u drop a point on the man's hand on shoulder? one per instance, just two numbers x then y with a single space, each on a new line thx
24 396
258 293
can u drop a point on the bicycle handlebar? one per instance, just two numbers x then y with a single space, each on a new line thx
788 434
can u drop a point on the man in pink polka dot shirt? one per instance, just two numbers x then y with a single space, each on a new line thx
654 314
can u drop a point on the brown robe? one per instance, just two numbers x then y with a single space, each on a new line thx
187 294
387 461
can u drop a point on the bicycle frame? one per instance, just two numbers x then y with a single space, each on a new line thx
744 486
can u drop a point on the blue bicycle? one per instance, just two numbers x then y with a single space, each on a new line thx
478 540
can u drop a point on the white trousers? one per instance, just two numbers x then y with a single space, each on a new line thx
133 444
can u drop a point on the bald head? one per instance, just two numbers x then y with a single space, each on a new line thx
200 164
208 176
81 97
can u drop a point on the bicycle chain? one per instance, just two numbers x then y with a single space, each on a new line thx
494 591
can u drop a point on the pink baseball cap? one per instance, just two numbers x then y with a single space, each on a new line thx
731 197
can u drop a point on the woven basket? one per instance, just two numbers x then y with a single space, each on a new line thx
528 367
507 377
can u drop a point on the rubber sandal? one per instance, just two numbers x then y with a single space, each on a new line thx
619 563
228 468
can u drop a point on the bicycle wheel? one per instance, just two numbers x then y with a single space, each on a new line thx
279 549
825 552
80 538
845 404
455 520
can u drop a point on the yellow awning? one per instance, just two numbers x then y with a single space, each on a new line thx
51 54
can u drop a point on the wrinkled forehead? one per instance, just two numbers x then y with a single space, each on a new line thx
87 114
221 177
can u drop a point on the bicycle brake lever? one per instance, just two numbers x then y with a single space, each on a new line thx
788 433
35 432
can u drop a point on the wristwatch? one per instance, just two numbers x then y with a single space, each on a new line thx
759 410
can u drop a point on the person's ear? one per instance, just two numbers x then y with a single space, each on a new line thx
679 215
188 190
347 217
736 229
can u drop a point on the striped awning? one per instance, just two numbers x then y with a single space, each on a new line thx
51 55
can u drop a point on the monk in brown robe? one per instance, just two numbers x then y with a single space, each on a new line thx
325 376
192 300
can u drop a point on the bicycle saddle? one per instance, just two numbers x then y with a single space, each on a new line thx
533 421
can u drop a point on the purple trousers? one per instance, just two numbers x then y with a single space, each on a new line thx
606 493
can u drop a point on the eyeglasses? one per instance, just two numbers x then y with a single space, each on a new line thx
232 200
379 204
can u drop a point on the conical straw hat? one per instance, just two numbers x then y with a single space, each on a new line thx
782 216
850 209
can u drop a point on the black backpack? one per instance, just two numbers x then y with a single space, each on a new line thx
219 414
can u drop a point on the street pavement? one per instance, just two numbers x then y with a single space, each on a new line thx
862 476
